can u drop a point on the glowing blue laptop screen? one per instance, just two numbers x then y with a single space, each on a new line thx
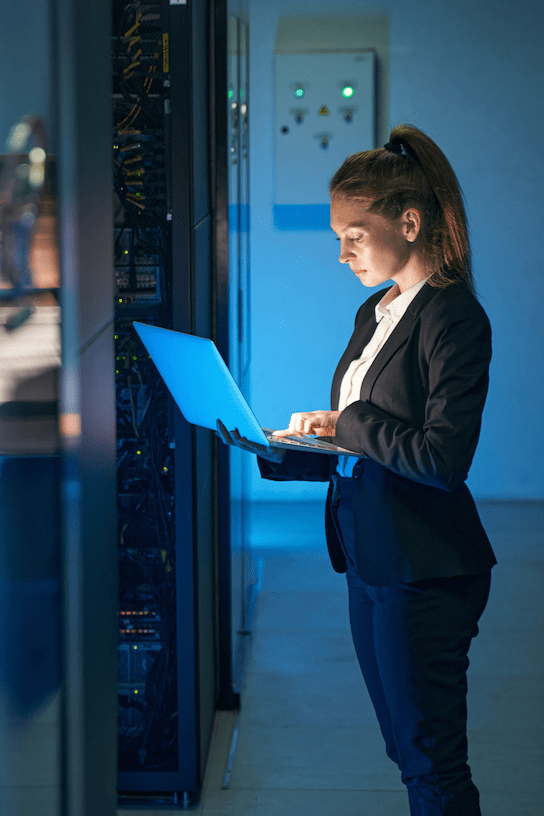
199 381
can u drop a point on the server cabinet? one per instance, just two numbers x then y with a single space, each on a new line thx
243 577
171 668
230 193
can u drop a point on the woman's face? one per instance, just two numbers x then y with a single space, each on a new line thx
376 249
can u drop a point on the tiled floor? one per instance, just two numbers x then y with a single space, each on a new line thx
29 763
308 744
307 741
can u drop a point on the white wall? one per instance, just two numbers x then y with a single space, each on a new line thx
470 75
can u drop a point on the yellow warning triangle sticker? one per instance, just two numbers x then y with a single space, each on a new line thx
324 111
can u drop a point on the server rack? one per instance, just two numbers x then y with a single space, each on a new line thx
172 667
245 573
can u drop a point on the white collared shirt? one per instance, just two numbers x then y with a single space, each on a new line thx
388 311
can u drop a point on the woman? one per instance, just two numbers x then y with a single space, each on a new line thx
408 394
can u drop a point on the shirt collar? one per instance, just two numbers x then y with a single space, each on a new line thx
393 304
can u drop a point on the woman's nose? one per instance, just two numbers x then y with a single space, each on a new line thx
345 254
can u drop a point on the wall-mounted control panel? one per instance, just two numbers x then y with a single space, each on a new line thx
325 111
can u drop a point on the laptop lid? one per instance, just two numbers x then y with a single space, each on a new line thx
199 381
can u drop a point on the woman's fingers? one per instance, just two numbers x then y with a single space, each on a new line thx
324 431
268 452
317 423
233 438
245 444
222 433
298 426
287 432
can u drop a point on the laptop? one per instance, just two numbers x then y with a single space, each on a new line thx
204 389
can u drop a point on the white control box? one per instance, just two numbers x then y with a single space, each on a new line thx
325 111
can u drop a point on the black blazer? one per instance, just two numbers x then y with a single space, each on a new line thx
417 424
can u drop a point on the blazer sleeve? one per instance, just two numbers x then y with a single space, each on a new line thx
455 350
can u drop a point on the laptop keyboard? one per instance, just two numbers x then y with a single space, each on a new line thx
297 440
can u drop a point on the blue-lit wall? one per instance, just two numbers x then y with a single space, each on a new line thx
24 63
470 75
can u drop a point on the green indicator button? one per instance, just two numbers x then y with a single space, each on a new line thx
231 93
348 91
299 93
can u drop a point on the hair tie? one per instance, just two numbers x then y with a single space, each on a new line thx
393 148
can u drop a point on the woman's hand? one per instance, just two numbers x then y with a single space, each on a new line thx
267 452
318 423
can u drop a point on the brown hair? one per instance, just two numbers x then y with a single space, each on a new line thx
422 177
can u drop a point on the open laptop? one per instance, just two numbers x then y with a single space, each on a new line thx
205 390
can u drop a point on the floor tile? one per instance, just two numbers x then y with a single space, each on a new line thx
285 610
173 810
516 599
506 701
508 761
328 698
30 801
507 652
305 803
519 803
300 570
295 652
31 756
312 758
224 726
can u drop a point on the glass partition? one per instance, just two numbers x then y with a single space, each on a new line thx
30 558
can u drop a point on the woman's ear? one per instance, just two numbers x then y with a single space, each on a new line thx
411 223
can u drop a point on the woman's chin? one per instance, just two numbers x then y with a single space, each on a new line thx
362 275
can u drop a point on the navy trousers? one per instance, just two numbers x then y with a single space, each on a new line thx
412 642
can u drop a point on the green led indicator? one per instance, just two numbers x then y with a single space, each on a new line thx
231 93
347 91
299 93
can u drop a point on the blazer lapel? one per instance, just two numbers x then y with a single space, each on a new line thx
365 328
398 337
359 339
